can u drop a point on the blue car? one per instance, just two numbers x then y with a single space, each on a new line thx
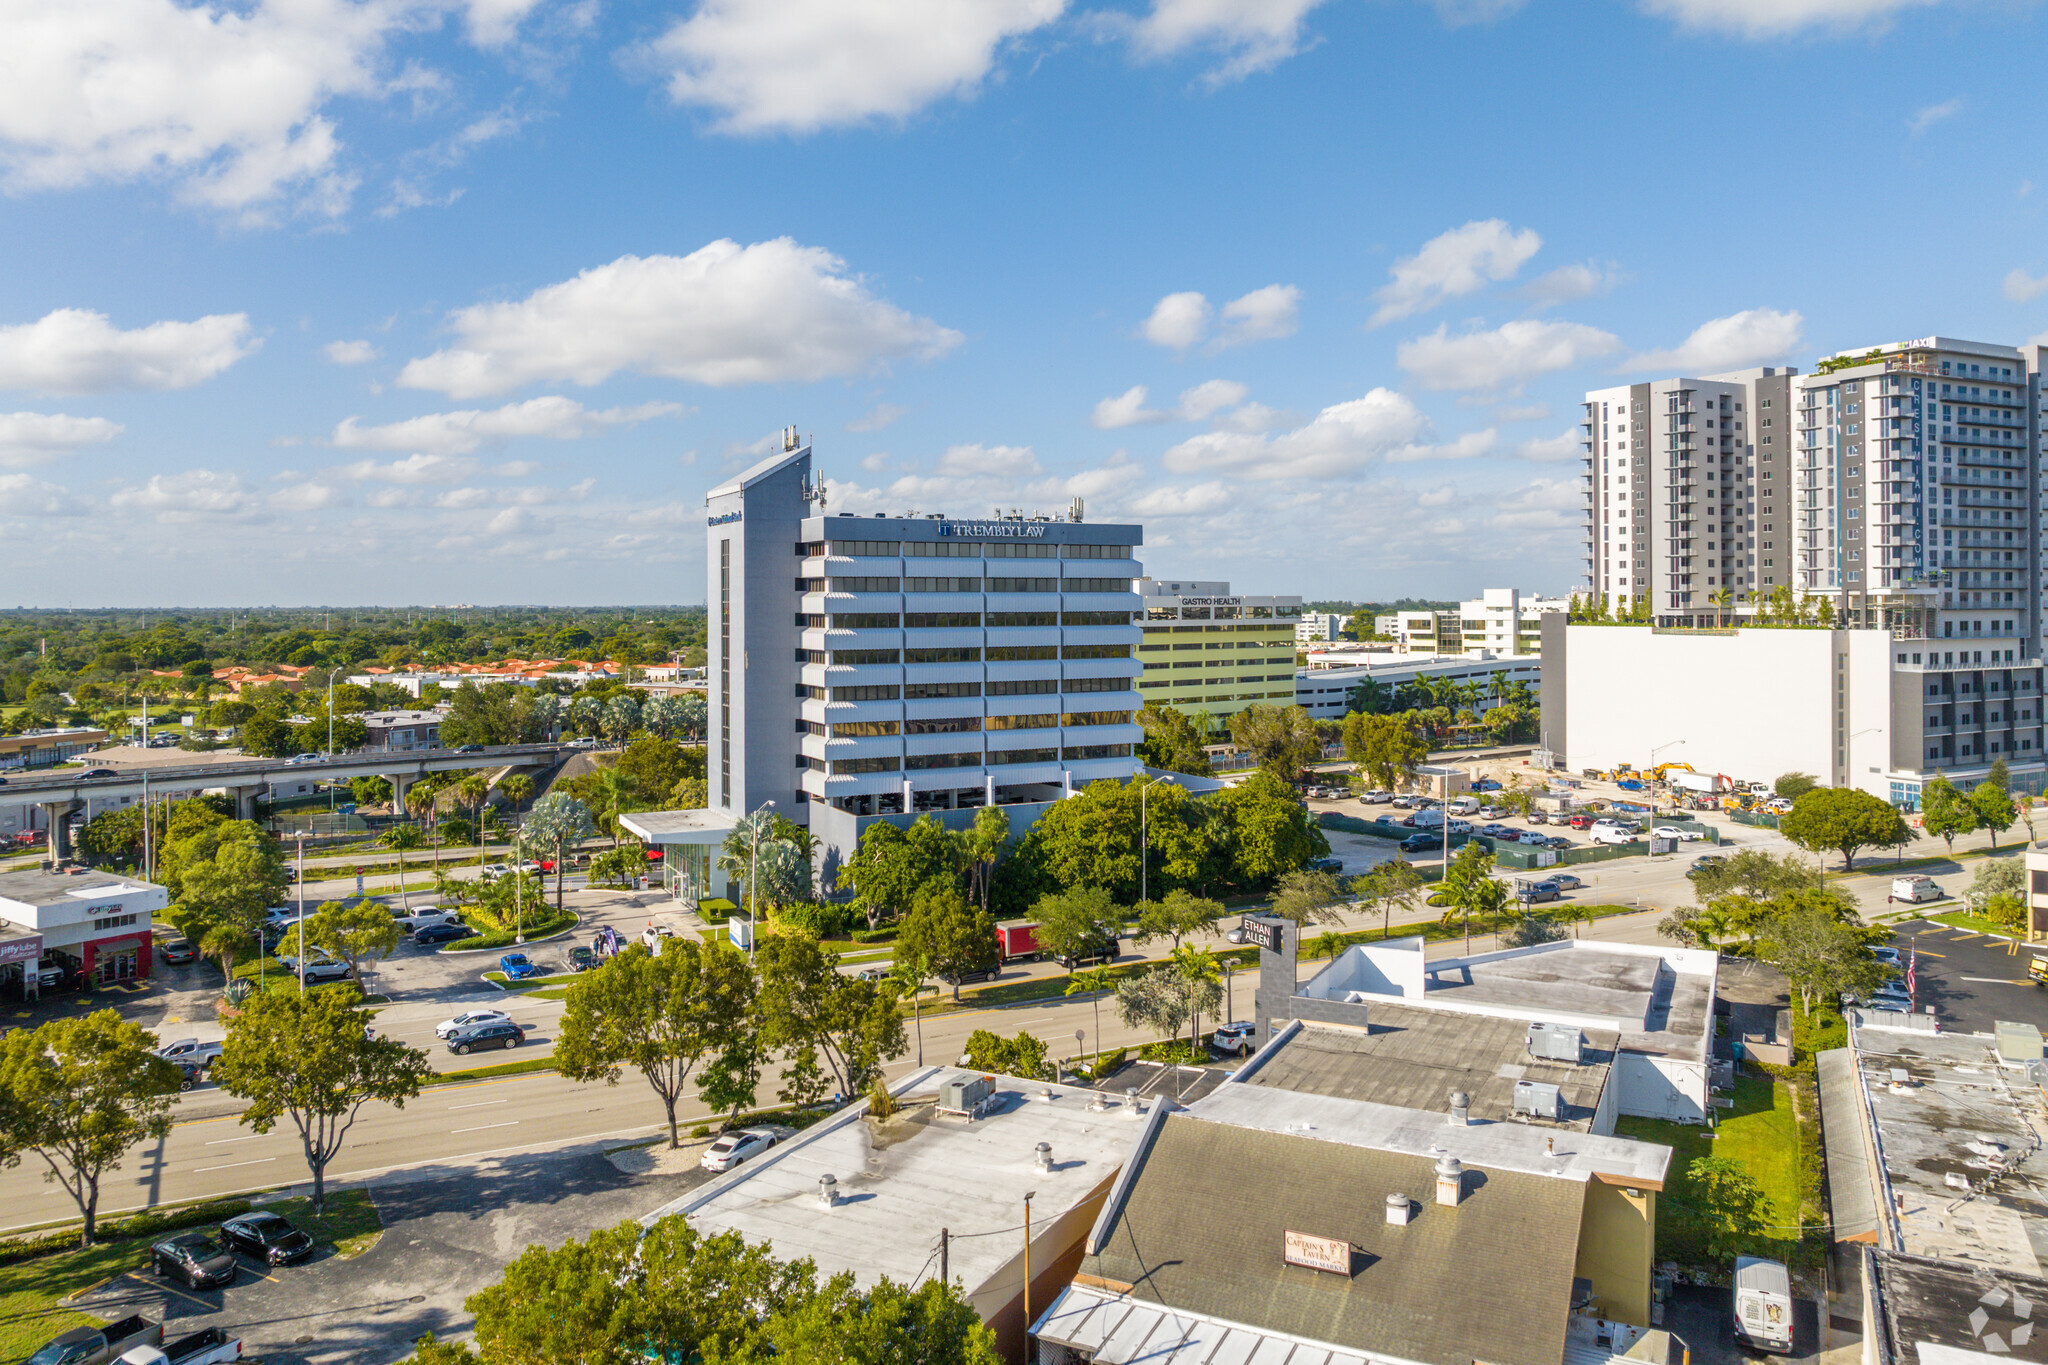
517 967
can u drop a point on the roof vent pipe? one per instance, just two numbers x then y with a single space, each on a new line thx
1461 1109
828 1190
1131 1109
1043 1153
1450 1181
1399 1210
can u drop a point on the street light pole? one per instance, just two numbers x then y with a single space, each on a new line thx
299 901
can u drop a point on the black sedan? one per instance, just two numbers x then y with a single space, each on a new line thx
972 974
477 1036
581 959
200 1259
268 1237
431 934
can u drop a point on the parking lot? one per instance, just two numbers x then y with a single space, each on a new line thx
448 1232
1972 980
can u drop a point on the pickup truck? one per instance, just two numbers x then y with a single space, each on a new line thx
94 1345
210 1347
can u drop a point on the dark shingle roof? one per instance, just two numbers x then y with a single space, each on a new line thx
1204 1225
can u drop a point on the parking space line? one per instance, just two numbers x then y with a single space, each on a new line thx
163 1287
481 1128
232 1164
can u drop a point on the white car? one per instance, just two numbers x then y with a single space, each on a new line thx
1534 838
733 1148
468 1018
1684 836
1612 834
492 871
412 919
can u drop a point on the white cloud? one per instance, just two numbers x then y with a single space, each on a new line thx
800 65
349 352
1262 315
1127 409
1453 264
36 437
1208 398
880 417
24 495
1504 358
725 314
1249 35
226 100
1563 446
1197 404
2021 287
1342 439
1570 283
195 495
1468 446
458 433
494 23
413 470
72 350
1751 337
977 461
1255 419
1178 321
1776 18
1928 115
1443 495
1197 500
305 497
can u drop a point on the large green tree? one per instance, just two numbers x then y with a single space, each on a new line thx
1176 915
1172 743
1282 739
1808 935
1842 820
1945 812
945 932
1309 897
312 1059
812 1013
355 931
79 1093
1394 884
1385 748
891 866
1072 923
662 1015
1993 808
1269 830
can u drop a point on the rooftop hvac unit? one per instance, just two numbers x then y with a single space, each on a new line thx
1556 1042
966 1094
1539 1100
2018 1042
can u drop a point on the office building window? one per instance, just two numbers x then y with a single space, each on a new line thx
1017 654
926 691
1021 551
942 585
943 725
1094 652
921 761
1001 756
1084 751
864 729
876 692
1094 585
940 620
725 672
1023 687
1022 618
1033 722
862 584
1096 718
1098 551
1096 685
957 654
1095 618
866 620
1023 585
942 549
870 548
850 766
855 658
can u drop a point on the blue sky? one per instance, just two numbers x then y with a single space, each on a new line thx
339 301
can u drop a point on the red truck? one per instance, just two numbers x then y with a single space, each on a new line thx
1019 939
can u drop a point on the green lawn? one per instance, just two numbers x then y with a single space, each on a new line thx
351 1224
1761 1134
29 1312
522 1067
1963 919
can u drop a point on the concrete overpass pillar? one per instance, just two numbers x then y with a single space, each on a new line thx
245 801
57 814
399 783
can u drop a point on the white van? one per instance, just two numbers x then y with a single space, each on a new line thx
1464 805
1612 834
1914 889
1763 1305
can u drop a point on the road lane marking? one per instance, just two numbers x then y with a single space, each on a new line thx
478 1104
246 1137
232 1164
481 1128
1992 980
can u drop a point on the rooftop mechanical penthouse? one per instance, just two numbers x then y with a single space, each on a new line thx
881 667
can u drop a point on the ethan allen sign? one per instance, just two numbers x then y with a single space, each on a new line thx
1263 934
1319 1253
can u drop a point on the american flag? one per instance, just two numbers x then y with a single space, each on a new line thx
1912 971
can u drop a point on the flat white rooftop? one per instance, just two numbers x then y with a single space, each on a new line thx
680 826
900 1180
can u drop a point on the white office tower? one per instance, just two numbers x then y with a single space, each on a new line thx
1917 467
868 667
1679 489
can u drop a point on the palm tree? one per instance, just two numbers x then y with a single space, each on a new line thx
912 973
1095 981
421 800
472 791
1202 979
399 839
518 789
1371 696
1574 914
1721 600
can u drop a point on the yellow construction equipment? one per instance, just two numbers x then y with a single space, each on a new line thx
1656 774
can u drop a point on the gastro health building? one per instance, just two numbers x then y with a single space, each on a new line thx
881 667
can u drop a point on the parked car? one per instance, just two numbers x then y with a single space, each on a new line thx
190 1050
90 1345
1234 1039
970 975
1414 843
1486 784
581 959
1404 802
1888 955
1684 836
433 934
1537 817
1557 841
1376 798
1613 834
321 972
1492 812
200 1259
269 1237
1326 864
411 921
478 1037
520 967
1581 822
733 1148
490 872
470 1019
1534 893
211 1346
178 950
